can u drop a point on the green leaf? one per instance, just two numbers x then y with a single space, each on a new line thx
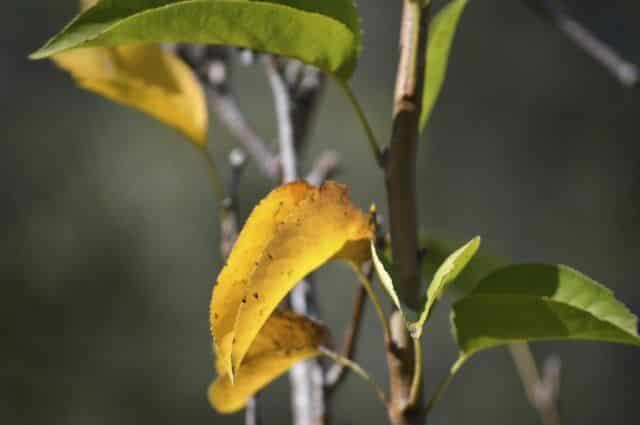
540 302
385 278
324 33
437 251
446 273
443 28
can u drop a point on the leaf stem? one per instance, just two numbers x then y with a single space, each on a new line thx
366 282
358 370
414 395
445 383
371 138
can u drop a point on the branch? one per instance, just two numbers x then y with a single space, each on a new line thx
625 72
229 221
252 414
283 110
338 371
400 175
542 393
212 65
227 110
307 377
323 168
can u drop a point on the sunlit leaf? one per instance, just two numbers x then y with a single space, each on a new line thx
384 277
438 249
446 273
441 33
321 33
293 231
146 78
540 302
284 340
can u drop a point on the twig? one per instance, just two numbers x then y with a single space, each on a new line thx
323 168
338 372
307 377
542 393
212 65
625 72
252 414
229 221
283 110
227 110
355 367
306 86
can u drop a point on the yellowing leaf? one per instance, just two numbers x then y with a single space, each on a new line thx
284 340
293 231
144 77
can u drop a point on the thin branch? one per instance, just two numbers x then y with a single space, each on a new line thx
355 367
252 414
624 71
306 86
323 168
230 219
212 65
307 377
365 280
542 393
227 110
338 371
283 109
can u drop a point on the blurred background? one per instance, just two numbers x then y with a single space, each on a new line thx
110 228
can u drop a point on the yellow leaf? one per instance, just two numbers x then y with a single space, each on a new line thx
293 231
144 77
285 339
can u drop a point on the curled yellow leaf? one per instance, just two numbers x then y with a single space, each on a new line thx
293 231
146 78
285 339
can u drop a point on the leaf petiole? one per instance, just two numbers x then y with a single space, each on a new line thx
357 369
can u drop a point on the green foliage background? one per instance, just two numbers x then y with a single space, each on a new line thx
110 230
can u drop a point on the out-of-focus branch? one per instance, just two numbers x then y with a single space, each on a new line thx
227 110
251 414
307 377
283 108
212 65
229 222
338 372
542 392
624 71
323 168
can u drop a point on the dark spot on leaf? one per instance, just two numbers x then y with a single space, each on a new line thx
255 295
244 300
